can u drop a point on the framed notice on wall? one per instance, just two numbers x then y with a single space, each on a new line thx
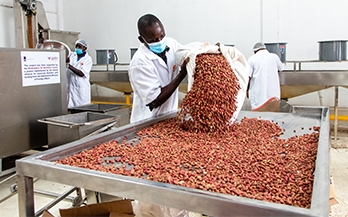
40 68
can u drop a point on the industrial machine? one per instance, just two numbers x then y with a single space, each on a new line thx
43 166
32 86
32 83
31 26
54 44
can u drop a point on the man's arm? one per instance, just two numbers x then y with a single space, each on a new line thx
76 71
251 68
168 90
247 91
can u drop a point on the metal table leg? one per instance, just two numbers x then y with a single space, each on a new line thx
25 189
336 115
25 196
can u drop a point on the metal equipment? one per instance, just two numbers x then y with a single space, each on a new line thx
28 5
215 204
298 82
132 51
31 25
333 50
116 110
293 83
67 128
67 37
54 44
25 23
30 89
278 48
106 56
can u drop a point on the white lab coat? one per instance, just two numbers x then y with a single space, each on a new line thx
264 82
147 74
79 88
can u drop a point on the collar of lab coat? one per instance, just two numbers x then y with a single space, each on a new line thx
74 55
262 51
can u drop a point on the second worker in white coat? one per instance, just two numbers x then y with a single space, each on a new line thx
264 85
78 73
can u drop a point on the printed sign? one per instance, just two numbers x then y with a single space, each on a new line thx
39 68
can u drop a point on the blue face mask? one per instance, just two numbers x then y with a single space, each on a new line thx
158 47
78 51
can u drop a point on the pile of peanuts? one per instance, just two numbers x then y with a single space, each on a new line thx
248 159
211 102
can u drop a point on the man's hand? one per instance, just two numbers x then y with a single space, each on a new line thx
168 90
183 70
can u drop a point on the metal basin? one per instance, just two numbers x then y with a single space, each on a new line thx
54 44
67 128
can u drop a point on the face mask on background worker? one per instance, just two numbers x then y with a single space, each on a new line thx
78 51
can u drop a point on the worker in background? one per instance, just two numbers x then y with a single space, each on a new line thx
153 75
78 73
264 86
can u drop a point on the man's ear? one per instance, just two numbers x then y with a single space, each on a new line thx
140 39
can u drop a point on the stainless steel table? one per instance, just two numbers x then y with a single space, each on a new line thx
42 166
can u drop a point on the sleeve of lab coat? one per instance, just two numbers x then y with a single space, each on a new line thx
251 67
280 65
86 66
145 81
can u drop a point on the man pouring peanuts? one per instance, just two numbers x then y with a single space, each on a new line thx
153 74
155 78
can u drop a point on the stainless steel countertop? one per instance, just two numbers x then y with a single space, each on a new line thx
293 82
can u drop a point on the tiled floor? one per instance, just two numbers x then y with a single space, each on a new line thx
9 200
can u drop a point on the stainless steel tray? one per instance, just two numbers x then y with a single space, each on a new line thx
42 166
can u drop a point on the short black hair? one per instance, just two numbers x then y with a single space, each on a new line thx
146 21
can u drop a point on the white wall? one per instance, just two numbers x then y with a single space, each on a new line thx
7 37
111 24
114 25
304 23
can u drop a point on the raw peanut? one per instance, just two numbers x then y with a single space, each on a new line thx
249 159
211 102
